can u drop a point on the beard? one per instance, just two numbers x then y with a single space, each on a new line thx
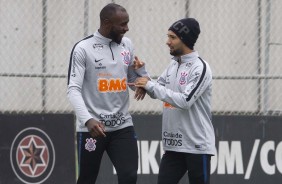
116 37
176 52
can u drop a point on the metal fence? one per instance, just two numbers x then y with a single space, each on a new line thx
240 39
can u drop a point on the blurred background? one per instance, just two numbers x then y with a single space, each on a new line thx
241 40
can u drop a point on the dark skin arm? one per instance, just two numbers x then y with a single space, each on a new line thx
139 92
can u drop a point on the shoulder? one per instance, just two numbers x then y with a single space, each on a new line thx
85 41
126 41
83 44
202 67
80 47
204 64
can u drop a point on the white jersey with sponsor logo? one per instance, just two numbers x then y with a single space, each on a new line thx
185 87
97 81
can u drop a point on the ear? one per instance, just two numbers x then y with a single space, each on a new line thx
107 22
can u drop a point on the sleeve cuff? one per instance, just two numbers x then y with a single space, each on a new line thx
142 71
150 86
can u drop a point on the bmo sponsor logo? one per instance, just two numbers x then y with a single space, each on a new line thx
230 159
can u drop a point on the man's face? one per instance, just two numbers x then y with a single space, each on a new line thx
175 44
119 26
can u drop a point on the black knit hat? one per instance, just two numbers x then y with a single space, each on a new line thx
187 30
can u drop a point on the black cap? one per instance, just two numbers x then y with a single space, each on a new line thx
187 30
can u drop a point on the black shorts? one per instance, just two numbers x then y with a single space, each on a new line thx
121 147
175 164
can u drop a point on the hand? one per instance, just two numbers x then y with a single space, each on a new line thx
141 82
137 63
96 128
139 93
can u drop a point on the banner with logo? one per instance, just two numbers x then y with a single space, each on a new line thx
40 149
37 149
249 150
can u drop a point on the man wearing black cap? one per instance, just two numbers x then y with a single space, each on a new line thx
185 88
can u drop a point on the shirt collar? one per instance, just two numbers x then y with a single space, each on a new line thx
101 38
187 58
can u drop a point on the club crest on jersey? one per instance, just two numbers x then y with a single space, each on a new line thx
90 144
126 57
182 80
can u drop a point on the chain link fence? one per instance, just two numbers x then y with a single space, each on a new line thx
240 39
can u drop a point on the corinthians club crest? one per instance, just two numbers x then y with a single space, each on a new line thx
32 156
126 57
90 144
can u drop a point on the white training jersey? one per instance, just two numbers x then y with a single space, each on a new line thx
97 81
185 88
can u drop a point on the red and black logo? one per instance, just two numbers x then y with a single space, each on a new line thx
32 155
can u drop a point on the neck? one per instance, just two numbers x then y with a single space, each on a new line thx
103 32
